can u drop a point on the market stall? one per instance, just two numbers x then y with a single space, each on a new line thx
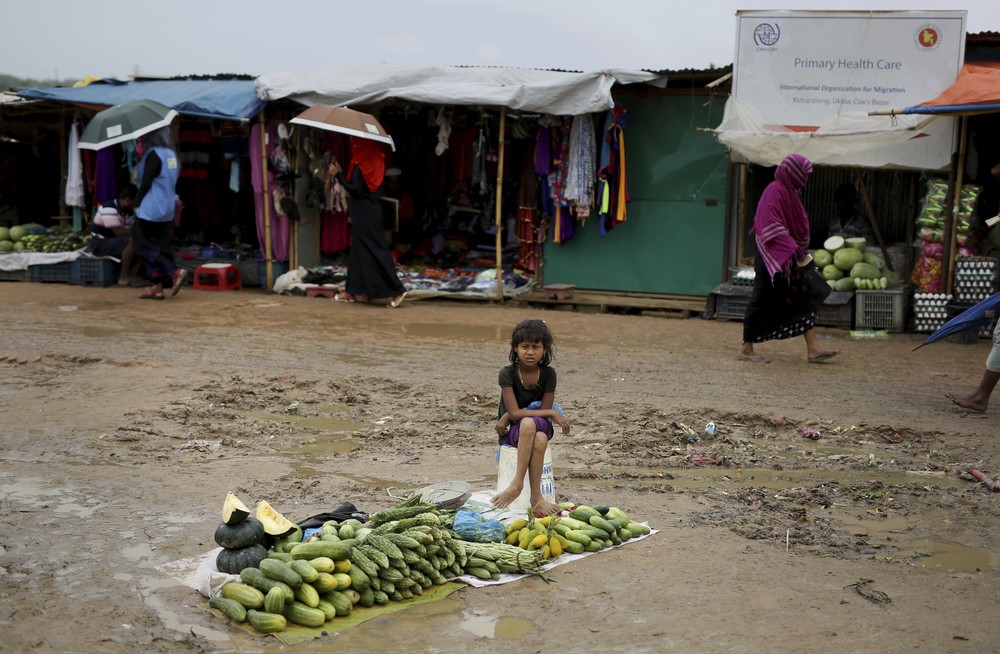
326 573
460 151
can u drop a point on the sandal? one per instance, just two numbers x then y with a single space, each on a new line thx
343 297
179 276
825 356
396 301
152 294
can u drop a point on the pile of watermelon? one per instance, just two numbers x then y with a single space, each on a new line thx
845 265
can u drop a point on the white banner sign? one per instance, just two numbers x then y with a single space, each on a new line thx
802 69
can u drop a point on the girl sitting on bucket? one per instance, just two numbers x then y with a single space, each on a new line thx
528 379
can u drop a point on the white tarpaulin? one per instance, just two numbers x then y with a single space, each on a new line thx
560 93
849 139
819 73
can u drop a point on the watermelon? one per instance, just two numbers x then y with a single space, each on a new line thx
823 258
875 260
844 284
833 243
831 271
845 258
864 270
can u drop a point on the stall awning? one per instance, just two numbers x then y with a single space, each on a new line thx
975 91
848 139
219 99
543 91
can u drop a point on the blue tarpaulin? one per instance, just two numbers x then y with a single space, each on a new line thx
220 99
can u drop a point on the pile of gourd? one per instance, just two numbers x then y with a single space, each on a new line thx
845 265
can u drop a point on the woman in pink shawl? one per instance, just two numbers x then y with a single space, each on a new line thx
787 291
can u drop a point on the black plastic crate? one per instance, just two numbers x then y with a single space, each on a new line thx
15 276
52 272
95 271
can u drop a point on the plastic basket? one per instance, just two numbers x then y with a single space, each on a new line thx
15 276
882 309
837 313
731 307
95 272
52 272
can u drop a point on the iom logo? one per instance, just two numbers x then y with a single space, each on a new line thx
927 37
766 34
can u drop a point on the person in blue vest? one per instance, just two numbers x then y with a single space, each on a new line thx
155 206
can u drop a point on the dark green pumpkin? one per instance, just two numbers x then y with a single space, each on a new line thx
234 561
243 534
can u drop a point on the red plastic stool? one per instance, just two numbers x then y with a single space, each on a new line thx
322 291
217 277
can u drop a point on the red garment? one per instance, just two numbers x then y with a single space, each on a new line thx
367 155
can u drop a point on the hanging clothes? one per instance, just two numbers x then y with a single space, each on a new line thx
562 219
279 224
613 185
581 165
74 172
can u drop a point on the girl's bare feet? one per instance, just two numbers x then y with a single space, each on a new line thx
542 507
504 498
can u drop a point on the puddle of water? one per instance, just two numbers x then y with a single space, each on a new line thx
320 446
729 478
148 587
911 532
490 626
100 332
323 423
476 332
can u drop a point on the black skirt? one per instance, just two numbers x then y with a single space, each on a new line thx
786 308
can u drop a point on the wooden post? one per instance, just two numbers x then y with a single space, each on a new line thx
267 201
863 190
499 203
951 236
741 212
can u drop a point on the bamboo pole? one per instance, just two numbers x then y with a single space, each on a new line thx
499 203
956 203
863 190
267 201
741 213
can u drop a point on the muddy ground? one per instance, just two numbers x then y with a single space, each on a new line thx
123 424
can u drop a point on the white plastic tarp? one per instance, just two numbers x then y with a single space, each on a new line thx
543 91
847 139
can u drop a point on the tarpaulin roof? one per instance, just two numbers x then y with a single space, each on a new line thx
976 90
544 91
847 139
221 99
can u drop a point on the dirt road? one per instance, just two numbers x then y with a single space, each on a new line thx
123 424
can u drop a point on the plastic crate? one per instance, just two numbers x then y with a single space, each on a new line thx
52 272
95 271
731 301
837 311
15 276
882 309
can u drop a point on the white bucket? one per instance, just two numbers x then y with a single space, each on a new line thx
507 466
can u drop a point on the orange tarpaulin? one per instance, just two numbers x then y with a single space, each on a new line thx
977 89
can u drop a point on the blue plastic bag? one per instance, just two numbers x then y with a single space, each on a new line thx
538 405
476 528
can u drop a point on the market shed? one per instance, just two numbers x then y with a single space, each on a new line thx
675 174
216 99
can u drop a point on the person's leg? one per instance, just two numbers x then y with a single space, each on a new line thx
814 350
979 399
129 264
525 448
539 505
747 353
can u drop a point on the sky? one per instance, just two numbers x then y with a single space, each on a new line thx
72 39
